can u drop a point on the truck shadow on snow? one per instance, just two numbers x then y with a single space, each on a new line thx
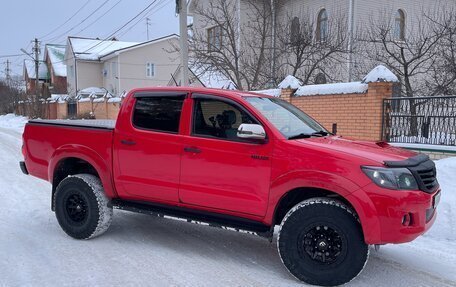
234 252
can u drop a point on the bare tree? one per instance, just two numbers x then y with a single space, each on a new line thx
10 95
411 54
442 80
238 50
305 53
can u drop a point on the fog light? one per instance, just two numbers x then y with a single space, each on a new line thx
406 219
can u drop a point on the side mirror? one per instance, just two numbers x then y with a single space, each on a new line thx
251 131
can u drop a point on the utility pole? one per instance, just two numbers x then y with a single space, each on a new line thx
7 72
182 10
147 27
36 49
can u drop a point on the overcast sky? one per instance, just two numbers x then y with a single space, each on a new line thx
23 20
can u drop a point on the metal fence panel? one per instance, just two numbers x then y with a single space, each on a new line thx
426 120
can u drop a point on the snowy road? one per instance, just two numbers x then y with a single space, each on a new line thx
150 251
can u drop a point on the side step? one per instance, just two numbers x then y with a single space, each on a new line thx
196 216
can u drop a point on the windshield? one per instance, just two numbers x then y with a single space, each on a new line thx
288 119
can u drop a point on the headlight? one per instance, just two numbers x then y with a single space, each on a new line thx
391 178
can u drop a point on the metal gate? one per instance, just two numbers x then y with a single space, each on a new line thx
425 120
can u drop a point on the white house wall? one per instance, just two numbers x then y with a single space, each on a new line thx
132 65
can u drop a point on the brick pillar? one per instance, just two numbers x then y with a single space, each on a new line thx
377 92
287 94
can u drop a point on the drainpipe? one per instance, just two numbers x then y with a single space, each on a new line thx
238 40
273 43
350 39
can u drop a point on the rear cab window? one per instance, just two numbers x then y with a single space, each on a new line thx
158 111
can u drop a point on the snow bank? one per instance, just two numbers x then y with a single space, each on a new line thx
290 82
270 92
380 74
11 121
332 89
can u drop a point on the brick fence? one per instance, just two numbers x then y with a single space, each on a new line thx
59 110
357 115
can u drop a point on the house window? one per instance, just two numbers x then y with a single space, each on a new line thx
320 79
214 38
150 70
322 25
399 25
295 30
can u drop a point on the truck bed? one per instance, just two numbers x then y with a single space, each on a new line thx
96 124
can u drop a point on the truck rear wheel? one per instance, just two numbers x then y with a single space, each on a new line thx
321 242
81 206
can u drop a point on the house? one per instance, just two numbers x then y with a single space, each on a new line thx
119 66
200 77
54 58
354 14
30 78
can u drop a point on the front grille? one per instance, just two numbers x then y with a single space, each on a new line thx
426 176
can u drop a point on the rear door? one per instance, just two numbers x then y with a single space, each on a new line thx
148 149
220 170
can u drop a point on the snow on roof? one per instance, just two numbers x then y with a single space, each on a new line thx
139 45
331 89
56 54
212 79
380 74
42 69
94 49
290 82
270 92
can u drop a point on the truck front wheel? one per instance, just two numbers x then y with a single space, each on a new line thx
321 242
81 206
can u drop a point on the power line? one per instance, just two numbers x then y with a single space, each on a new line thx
10 56
123 26
96 20
85 19
68 20
112 34
144 16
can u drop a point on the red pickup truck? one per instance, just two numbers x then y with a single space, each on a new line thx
241 161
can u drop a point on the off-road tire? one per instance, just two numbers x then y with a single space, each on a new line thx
81 206
299 242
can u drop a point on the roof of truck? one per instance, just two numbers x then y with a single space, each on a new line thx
217 92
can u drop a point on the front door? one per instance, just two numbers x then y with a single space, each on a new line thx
219 170
148 150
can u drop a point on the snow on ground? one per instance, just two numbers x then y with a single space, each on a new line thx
144 250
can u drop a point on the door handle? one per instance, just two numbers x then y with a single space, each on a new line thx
127 142
192 149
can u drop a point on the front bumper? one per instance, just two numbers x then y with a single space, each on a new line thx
400 215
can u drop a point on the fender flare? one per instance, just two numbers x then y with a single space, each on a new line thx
344 187
88 155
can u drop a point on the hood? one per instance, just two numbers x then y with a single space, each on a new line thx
376 151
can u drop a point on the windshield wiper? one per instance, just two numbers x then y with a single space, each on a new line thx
304 136
300 136
321 133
